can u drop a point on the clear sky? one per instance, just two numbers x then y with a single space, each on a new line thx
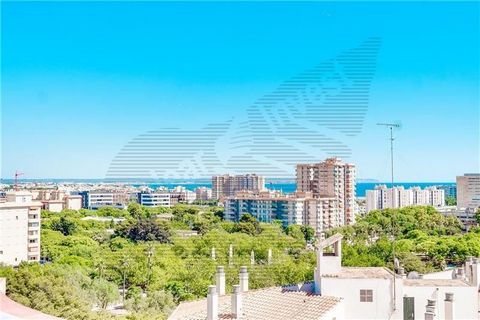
79 81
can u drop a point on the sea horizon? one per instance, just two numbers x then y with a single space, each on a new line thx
284 185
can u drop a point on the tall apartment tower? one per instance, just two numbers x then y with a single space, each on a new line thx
19 229
331 178
227 185
468 190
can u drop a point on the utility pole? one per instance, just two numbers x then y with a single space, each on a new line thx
391 126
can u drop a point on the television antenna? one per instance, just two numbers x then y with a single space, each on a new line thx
391 126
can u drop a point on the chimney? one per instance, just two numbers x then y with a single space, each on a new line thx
430 310
252 257
243 279
220 281
237 301
317 271
212 303
449 311
460 273
401 271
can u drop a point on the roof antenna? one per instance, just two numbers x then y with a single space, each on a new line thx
395 260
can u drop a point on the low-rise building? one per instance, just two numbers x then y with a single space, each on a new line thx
203 193
339 292
95 199
154 199
19 228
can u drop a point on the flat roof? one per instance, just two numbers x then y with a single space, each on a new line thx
362 273
435 283
21 204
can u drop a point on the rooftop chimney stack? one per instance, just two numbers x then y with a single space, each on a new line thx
212 303
243 279
449 311
237 301
430 310
220 280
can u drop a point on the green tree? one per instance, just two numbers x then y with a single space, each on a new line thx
105 292
65 226
145 230
136 210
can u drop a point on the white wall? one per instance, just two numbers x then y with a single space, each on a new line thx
465 300
13 235
349 289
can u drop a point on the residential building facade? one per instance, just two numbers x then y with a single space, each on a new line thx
154 199
331 178
301 209
203 193
468 190
96 199
398 197
19 228
227 185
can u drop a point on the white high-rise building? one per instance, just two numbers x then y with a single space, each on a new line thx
398 197
468 190
331 178
19 228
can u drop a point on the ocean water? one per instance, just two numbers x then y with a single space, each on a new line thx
361 187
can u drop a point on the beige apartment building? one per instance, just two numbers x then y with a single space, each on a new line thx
19 228
227 185
468 190
331 178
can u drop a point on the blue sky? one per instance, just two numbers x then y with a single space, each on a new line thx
80 80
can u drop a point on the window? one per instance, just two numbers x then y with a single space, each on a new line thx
366 295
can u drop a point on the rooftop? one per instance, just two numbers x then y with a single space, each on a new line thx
9 204
362 273
435 283
13 310
264 304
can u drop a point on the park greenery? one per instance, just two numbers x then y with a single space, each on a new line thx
88 263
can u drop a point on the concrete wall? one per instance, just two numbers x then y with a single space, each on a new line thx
349 290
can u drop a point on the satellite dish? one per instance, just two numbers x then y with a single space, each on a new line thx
413 275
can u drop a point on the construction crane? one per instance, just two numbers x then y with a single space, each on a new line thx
17 174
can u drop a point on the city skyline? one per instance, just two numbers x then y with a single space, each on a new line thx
91 88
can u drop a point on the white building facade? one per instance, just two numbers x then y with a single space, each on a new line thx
398 197
19 228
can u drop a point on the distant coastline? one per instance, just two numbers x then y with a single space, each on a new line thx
285 185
